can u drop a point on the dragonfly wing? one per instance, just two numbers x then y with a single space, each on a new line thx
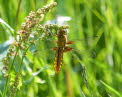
82 53
46 54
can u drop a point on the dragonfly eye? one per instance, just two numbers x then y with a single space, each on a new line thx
63 31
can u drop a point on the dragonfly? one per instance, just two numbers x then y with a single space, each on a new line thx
62 46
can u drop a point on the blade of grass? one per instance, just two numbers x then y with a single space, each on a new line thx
111 89
0 93
9 27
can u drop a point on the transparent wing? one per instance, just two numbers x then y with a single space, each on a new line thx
43 49
45 54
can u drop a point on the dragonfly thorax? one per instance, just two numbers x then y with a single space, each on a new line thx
61 40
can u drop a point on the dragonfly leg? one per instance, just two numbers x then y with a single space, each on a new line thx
69 42
66 49
55 48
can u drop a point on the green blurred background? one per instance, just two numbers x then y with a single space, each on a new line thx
87 18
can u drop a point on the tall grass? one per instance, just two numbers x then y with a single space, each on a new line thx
103 73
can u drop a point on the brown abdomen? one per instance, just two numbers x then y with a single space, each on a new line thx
58 59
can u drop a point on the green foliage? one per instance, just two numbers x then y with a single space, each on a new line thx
81 74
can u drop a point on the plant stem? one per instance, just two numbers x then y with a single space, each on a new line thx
23 58
5 87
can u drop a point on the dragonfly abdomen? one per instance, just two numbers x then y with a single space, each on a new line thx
58 59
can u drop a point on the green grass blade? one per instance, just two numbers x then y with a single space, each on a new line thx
9 27
0 93
111 89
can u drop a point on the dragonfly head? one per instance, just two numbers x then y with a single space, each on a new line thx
63 31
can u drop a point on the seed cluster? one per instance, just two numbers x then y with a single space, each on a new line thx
14 85
32 22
